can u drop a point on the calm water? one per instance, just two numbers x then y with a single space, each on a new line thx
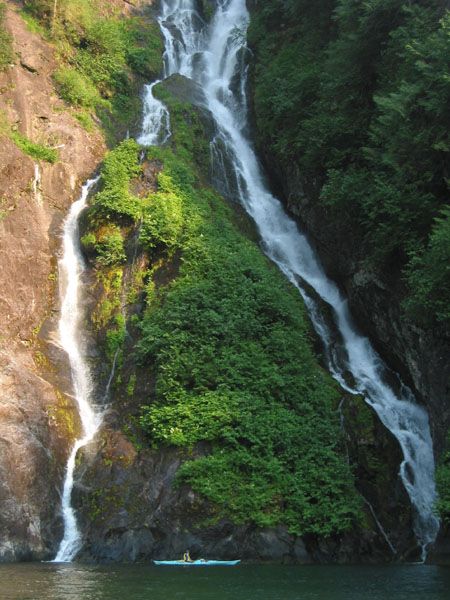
76 582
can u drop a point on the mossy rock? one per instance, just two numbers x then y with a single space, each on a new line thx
375 456
207 9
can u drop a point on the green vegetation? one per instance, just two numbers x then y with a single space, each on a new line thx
6 52
226 342
189 138
76 89
104 58
35 150
38 151
443 483
229 347
207 8
357 94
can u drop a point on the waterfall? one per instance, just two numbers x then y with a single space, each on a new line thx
71 267
156 123
212 55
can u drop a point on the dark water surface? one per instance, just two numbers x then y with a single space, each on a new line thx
78 582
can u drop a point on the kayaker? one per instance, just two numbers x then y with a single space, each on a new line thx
187 557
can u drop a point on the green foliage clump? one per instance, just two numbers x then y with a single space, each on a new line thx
6 51
42 9
443 484
114 198
144 48
428 275
109 248
227 344
115 336
357 95
207 8
76 89
189 139
163 220
37 151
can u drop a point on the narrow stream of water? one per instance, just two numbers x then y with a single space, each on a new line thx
71 267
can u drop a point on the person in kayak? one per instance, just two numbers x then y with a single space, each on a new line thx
187 557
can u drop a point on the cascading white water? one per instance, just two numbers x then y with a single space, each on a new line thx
71 267
156 123
212 56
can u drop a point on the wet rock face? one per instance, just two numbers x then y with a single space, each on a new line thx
440 554
131 509
188 91
38 421
33 444
375 456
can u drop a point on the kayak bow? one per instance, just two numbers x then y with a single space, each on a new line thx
197 563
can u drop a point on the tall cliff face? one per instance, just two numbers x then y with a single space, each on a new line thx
351 114
187 320
56 111
38 420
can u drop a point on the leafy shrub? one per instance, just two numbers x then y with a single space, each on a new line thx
43 9
76 89
428 275
114 201
88 242
109 247
192 419
121 164
85 119
115 336
114 198
34 150
144 49
163 219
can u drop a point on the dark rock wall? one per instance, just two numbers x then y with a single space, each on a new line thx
420 356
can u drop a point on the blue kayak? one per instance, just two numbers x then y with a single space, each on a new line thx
197 563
